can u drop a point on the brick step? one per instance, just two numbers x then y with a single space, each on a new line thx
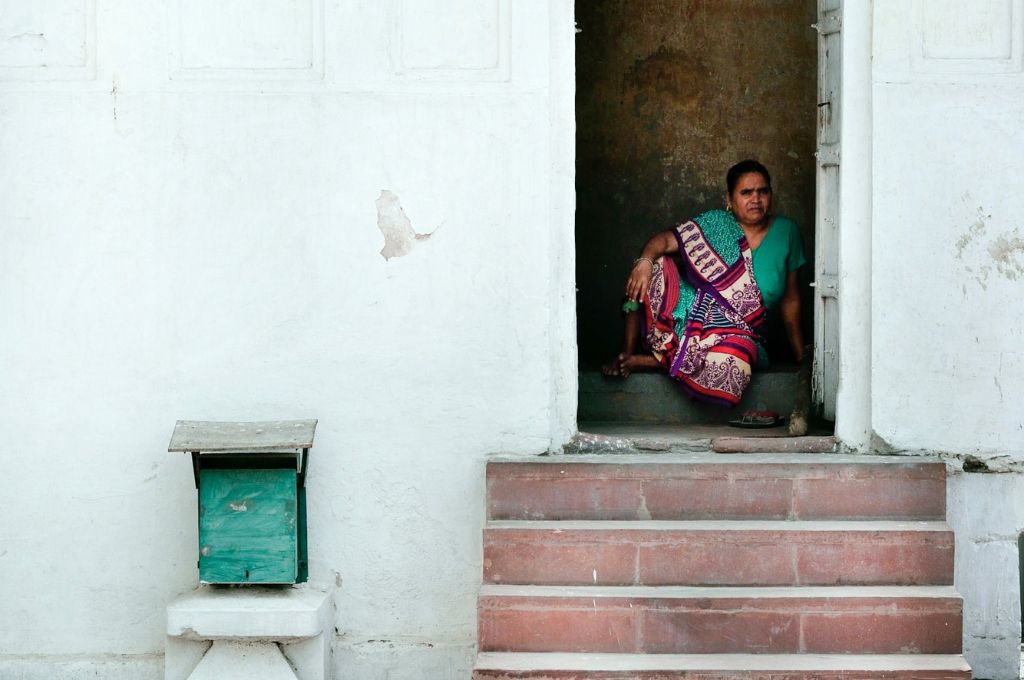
507 666
716 486
718 553
717 620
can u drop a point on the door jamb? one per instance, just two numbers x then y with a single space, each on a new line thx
853 399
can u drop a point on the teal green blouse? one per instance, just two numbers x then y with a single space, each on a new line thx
780 252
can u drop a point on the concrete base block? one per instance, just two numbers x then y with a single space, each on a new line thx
182 655
294 623
311 658
229 660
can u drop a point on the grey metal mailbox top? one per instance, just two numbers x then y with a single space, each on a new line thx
267 437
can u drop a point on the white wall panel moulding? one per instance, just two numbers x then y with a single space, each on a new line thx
46 40
245 40
980 37
454 40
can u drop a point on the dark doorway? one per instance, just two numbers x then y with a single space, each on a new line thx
670 93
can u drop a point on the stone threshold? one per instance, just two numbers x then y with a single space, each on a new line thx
616 437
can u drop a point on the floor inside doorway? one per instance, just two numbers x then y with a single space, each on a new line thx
649 412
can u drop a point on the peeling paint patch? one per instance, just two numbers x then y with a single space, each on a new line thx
1002 254
983 463
975 464
1008 254
399 236
974 231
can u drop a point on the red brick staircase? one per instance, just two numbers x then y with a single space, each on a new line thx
715 566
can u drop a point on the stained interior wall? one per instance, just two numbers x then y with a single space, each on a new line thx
670 93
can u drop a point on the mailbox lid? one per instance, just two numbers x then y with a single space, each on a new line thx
248 526
203 436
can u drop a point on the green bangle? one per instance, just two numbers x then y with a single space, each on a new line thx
630 306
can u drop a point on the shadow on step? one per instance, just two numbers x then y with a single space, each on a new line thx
656 398
649 411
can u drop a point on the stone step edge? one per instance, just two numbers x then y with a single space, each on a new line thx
852 526
719 592
534 661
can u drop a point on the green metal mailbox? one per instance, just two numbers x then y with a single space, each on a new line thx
250 479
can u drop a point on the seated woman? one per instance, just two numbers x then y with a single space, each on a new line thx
705 328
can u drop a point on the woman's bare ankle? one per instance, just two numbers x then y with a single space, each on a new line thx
633 363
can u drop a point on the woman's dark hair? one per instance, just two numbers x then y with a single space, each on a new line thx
742 168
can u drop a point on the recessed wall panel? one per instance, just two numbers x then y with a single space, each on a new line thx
241 38
47 39
983 36
460 39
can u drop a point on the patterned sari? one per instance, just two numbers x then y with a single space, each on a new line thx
711 354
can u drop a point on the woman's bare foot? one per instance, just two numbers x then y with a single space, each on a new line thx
628 360
624 364
617 367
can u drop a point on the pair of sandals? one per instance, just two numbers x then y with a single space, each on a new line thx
756 419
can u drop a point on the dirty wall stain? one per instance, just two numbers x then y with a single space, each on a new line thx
399 235
1008 254
1004 251
973 232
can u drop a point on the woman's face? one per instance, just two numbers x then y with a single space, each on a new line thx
751 200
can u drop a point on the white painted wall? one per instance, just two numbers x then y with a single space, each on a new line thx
948 235
947 270
189 229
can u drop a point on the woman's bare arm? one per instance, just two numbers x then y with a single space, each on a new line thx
790 308
663 243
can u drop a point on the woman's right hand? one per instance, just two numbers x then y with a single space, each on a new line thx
639 281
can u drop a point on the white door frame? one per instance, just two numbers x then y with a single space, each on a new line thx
563 390
853 399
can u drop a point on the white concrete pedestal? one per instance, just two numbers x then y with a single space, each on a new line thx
266 633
